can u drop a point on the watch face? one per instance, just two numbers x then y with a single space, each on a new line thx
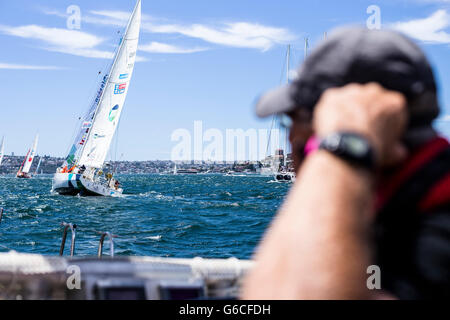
334 141
350 147
356 145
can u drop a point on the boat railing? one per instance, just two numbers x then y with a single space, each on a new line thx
111 243
72 228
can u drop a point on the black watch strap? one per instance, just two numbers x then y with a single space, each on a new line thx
351 147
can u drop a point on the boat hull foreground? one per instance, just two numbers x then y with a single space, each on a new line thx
71 184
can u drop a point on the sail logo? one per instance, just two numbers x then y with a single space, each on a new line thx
100 90
123 76
86 125
98 136
91 154
83 138
113 113
120 88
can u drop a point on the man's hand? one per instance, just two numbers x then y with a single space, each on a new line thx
370 110
318 246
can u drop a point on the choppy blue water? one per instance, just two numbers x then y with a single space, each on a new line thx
211 216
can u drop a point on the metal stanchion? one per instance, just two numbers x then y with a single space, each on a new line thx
111 243
63 242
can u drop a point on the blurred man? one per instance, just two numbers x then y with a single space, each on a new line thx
373 186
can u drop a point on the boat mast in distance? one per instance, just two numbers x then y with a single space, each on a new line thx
36 172
286 131
2 150
306 47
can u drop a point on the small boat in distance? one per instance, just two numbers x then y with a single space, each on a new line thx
84 171
2 150
285 176
36 172
187 171
285 172
28 161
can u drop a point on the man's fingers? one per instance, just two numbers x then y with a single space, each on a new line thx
396 155
368 109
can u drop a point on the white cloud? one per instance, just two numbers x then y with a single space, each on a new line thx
115 15
232 34
54 36
430 29
434 1
158 47
66 41
236 34
89 18
27 67
61 40
100 17
83 52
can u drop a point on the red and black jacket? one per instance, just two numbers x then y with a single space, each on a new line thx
412 229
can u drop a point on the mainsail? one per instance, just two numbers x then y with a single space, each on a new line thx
30 156
100 123
2 150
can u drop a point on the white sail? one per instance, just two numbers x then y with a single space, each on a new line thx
100 131
2 150
38 166
86 124
30 156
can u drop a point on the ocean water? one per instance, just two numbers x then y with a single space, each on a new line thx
185 216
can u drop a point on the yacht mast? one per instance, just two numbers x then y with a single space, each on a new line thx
121 52
288 57
306 47
2 150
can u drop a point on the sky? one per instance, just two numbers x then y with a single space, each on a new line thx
198 60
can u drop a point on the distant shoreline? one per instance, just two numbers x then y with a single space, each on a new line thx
49 165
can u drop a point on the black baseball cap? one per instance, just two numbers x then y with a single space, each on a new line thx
360 55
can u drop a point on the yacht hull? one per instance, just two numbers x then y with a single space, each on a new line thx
285 177
71 184
24 177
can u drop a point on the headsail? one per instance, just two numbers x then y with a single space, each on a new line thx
2 150
30 156
98 129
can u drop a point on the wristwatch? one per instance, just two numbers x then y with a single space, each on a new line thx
351 147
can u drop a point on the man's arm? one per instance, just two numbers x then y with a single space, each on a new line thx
318 246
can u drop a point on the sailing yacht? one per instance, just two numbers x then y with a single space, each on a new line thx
2 150
28 161
284 174
84 171
175 169
36 172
